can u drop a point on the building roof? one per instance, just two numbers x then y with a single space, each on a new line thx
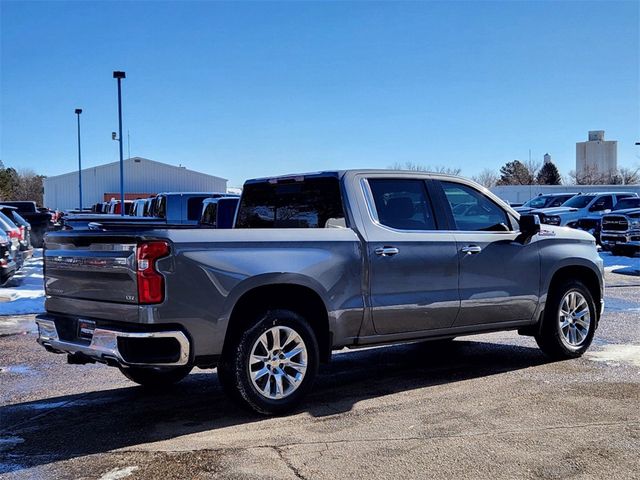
131 161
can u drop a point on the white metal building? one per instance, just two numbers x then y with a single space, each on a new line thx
142 177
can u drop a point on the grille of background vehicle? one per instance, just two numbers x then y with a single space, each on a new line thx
615 223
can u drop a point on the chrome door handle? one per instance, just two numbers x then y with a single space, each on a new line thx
471 249
387 251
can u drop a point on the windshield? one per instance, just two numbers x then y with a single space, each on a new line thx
579 201
537 202
627 203
17 218
6 223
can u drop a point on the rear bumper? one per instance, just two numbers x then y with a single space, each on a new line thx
116 346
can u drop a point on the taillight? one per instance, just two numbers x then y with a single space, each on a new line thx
150 282
15 233
22 233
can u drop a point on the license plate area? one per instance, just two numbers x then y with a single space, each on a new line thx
86 329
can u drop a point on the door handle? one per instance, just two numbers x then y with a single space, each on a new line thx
471 249
387 251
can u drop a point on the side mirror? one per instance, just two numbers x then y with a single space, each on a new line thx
529 224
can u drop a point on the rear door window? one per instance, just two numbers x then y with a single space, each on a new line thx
402 203
310 203
473 211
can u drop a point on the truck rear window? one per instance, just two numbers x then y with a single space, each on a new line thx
312 203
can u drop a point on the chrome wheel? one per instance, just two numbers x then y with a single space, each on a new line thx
278 362
574 318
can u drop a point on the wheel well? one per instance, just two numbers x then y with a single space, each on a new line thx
585 275
297 298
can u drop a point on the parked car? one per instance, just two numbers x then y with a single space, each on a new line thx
137 210
592 223
621 228
580 206
25 229
15 237
180 207
39 218
115 207
98 208
316 262
8 266
549 200
219 212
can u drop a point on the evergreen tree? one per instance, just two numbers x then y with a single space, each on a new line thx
549 175
515 173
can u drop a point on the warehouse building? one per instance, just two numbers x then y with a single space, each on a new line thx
142 178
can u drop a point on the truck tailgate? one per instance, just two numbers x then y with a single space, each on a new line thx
91 268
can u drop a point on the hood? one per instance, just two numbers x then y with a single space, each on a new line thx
631 212
565 233
523 209
555 210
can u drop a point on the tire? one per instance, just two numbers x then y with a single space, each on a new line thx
264 385
155 376
617 251
568 336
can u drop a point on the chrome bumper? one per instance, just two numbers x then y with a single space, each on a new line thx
615 238
104 344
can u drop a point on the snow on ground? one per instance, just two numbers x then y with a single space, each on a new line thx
625 265
24 293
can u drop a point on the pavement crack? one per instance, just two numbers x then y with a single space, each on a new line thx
288 463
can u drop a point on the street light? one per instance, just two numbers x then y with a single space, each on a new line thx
78 112
119 76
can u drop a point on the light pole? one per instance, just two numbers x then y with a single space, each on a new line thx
78 112
119 76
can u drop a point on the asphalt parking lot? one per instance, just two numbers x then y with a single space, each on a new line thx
486 406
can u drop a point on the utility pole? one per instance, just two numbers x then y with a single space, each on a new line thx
78 112
119 76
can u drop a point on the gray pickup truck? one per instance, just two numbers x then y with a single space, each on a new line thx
317 262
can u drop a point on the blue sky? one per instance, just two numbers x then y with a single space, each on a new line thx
252 89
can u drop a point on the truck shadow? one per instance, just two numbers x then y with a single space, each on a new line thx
66 427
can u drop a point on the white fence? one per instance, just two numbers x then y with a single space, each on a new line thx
522 193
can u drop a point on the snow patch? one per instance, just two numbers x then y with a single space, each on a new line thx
620 264
24 293
118 473
616 354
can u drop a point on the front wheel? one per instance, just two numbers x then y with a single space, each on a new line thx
155 376
273 363
569 321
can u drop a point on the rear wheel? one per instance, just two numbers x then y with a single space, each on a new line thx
155 376
272 364
569 321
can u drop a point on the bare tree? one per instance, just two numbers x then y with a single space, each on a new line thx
629 176
487 178
533 166
592 176
415 167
